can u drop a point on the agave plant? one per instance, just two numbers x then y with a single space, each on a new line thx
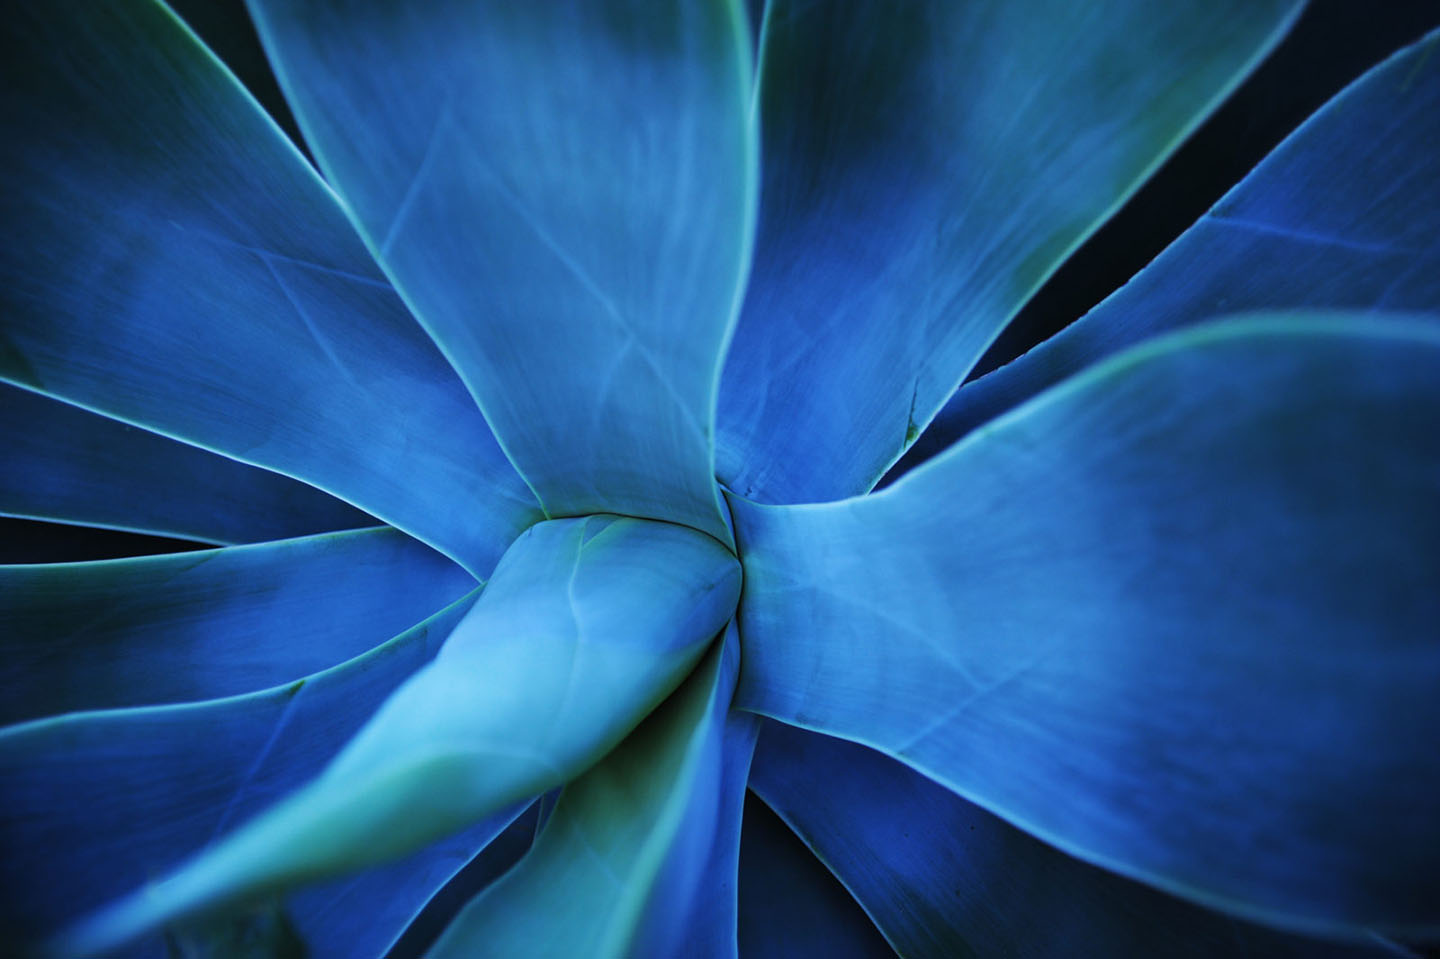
536 435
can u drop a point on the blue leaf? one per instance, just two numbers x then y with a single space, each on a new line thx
926 166
637 848
1345 214
710 925
360 915
586 625
791 907
170 260
1175 617
65 465
497 858
566 202
941 877
207 624
365 914
97 803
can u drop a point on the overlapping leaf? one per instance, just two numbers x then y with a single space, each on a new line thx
639 857
941 877
367 913
927 165
1344 214
171 261
564 194
66 465
98 803
1173 617
497 858
586 625
566 202
790 904
208 624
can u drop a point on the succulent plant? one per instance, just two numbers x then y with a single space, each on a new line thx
537 430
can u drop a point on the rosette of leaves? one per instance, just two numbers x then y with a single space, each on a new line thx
536 428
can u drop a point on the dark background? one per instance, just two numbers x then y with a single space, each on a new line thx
1333 43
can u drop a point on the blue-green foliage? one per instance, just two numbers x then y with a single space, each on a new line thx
1369 246
956 880
594 309
1130 673
490 177
926 166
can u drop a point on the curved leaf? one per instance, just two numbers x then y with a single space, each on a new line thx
567 204
364 914
941 877
623 867
202 625
66 465
1175 617
584 627
97 803
1345 214
927 165
710 925
171 261
360 915
496 859
791 907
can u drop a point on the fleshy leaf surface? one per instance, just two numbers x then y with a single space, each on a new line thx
492 862
942 877
624 867
927 165
566 202
171 261
173 628
710 923
1345 214
98 803
67 465
360 915
1175 617
364 914
586 625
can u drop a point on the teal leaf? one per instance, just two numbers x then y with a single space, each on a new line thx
564 195
1175 617
1345 214
263 931
98 803
926 166
942 877
586 625
208 624
625 862
710 923
492 862
365 914
170 260
66 465
791 907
